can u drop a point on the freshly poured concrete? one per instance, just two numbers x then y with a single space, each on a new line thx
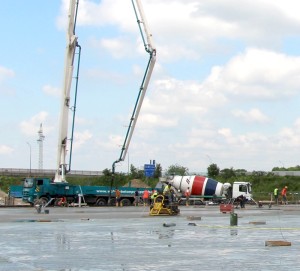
127 238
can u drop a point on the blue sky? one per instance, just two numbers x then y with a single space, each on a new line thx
225 87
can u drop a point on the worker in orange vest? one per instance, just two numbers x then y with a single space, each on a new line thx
283 194
146 197
118 197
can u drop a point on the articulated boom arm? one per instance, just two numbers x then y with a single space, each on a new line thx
149 47
65 99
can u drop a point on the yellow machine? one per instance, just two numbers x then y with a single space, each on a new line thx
161 206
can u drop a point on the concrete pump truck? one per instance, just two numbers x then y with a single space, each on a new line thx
45 191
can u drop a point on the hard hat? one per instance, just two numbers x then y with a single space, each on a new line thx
286 187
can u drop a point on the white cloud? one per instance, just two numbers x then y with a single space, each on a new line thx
289 136
51 91
257 73
5 74
30 127
207 23
112 142
118 47
99 14
172 99
5 149
81 138
226 132
253 115
156 120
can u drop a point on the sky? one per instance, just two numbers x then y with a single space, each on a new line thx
225 87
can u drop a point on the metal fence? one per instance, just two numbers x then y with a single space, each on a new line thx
45 172
7 201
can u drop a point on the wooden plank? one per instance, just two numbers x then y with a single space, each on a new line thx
257 222
277 243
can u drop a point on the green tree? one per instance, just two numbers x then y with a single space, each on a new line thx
278 169
136 173
227 173
296 168
133 172
158 171
106 172
213 171
177 170
240 172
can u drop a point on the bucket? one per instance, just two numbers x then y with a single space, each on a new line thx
233 219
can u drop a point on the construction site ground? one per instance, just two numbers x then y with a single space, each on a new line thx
127 238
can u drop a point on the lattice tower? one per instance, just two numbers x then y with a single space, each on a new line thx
40 142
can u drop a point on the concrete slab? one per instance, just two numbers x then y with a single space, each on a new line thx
127 238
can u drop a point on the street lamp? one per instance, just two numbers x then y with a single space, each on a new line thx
128 162
29 158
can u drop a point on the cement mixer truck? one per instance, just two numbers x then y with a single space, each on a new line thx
207 188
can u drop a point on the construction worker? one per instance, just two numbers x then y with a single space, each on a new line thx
275 193
136 197
187 194
146 197
153 196
241 200
118 197
167 192
283 194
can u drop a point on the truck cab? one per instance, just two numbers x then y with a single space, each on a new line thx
242 188
44 189
29 190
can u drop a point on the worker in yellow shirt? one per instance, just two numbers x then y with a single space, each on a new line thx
167 192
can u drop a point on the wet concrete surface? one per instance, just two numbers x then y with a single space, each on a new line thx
127 238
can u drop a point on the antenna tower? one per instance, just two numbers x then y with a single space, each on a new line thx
40 142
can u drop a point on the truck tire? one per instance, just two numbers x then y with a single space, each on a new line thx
41 201
112 202
125 202
101 202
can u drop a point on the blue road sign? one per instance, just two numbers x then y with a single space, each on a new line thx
149 170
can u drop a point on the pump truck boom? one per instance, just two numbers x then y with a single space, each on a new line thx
150 49
72 44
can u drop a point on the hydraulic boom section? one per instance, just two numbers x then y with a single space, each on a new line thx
71 46
149 47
